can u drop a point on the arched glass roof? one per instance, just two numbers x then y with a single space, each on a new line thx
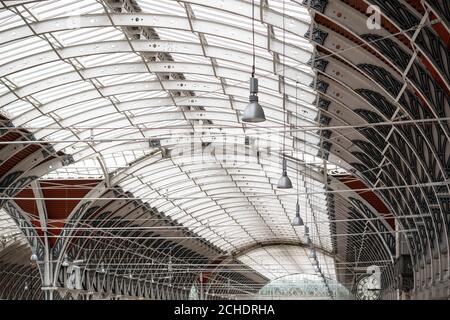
144 99
127 87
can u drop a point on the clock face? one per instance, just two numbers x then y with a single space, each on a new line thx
367 289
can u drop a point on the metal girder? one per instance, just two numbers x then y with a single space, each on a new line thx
413 149
427 42
141 46
13 279
305 97
404 200
196 26
86 96
262 13
162 21
46 268
120 69
25 172
117 287
374 46
442 10
359 57
117 247
297 54
134 171
375 247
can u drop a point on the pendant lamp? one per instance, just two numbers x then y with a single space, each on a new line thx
297 221
33 258
307 239
253 113
284 182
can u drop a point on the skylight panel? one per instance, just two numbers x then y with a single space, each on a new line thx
62 91
88 35
126 78
109 59
177 35
9 20
162 7
21 49
52 9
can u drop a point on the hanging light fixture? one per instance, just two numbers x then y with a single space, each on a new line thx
312 254
33 258
307 239
298 221
284 182
253 112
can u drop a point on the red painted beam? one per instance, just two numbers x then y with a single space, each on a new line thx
57 210
369 196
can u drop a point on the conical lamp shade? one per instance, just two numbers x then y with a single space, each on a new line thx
253 113
298 221
284 182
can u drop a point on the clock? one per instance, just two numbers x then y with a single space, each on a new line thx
367 288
